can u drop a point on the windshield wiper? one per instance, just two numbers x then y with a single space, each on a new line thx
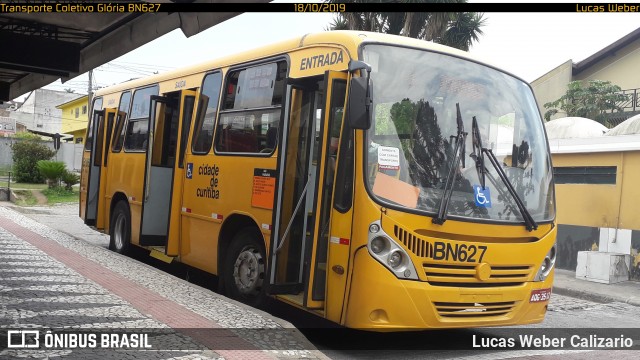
459 153
477 154
478 157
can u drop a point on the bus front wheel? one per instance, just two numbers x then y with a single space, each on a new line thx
244 274
120 232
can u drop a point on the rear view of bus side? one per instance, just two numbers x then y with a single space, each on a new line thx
380 182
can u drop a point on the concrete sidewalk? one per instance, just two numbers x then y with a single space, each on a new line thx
565 283
53 280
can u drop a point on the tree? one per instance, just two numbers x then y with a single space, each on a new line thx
26 154
69 90
592 101
69 179
52 171
456 29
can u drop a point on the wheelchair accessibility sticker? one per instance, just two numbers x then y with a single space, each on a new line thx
482 196
189 170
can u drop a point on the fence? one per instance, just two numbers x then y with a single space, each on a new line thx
632 101
70 154
629 107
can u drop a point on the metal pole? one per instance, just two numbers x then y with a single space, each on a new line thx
89 91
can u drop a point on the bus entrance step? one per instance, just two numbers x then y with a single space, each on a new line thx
158 253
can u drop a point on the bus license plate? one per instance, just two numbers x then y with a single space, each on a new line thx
540 295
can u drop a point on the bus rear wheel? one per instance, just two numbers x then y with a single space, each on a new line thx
245 269
120 229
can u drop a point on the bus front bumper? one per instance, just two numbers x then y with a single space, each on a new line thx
380 301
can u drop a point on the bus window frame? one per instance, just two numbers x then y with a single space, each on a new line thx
89 132
244 66
184 136
200 116
120 125
129 119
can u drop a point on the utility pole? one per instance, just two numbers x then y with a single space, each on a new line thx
90 91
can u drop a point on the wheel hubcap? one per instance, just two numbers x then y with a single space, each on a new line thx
119 232
248 271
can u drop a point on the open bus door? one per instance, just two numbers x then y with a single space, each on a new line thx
308 156
169 123
92 196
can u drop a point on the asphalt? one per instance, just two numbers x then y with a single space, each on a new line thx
76 280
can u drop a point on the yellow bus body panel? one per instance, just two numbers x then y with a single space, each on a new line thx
367 295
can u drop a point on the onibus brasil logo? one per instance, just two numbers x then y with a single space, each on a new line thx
33 339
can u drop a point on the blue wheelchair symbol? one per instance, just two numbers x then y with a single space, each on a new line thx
483 197
189 170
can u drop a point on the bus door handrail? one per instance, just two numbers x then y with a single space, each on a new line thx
153 106
293 216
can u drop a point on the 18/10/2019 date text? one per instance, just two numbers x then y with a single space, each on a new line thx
307 7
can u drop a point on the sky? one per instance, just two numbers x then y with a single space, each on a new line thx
526 44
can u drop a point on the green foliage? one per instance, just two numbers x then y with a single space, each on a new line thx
592 101
51 170
27 136
69 179
403 115
26 154
456 29
59 194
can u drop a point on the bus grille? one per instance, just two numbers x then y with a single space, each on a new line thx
465 275
473 310
460 275
418 246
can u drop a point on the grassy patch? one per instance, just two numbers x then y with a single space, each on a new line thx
60 195
25 198
28 186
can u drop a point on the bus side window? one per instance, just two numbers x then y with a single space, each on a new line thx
138 126
205 119
251 109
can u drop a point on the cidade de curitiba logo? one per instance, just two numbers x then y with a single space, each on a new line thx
36 339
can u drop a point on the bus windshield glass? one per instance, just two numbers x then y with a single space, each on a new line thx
410 147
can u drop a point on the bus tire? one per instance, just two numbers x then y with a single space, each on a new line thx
245 268
120 229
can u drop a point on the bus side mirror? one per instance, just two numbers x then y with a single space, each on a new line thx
359 107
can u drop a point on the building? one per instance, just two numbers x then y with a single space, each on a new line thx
597 197
39 110
617 63
75 117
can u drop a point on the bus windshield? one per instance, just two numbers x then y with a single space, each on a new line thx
418 98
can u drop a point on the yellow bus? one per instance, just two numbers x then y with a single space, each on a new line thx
380 182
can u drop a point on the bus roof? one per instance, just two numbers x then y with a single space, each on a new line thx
347 38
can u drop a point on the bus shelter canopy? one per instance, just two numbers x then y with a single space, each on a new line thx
40 48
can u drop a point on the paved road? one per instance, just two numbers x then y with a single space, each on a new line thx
566 315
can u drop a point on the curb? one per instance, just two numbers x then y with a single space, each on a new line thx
599 298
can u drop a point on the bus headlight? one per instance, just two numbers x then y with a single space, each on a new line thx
395 259
389 253
547 265
378 245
